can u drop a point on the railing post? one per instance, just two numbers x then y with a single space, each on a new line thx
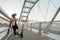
27 25
31 26
40 28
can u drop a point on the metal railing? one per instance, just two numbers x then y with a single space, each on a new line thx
5 29
2 12
39 27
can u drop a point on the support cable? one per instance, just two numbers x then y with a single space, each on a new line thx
47 9
53 4
40 10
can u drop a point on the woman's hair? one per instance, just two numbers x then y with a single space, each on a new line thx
13 14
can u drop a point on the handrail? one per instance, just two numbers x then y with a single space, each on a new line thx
4 18
4 13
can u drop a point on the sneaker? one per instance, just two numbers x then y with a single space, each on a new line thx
16 36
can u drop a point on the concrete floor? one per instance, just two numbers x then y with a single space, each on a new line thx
28 35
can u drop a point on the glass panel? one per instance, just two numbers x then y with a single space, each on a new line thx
55 28
23 18
43 25
28 4
26 10
35 25
24 14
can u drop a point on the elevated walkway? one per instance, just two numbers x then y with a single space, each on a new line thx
47 33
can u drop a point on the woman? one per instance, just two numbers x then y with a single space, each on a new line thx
14 24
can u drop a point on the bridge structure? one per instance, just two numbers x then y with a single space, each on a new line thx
30 31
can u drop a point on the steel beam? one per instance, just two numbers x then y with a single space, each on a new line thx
26 1
31 8
28 7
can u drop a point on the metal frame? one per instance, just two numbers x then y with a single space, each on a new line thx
27 12
47 29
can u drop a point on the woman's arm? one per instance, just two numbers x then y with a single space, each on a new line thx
13 20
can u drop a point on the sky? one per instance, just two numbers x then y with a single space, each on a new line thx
38 13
